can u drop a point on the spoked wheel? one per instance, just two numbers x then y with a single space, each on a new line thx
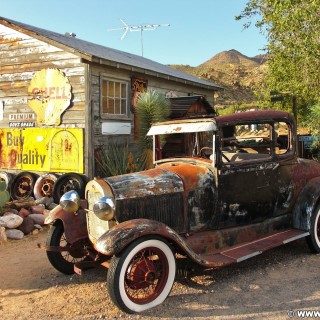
22 185
63 261
313 240
142 276
44 186
68 182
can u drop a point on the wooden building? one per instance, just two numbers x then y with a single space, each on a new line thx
62 97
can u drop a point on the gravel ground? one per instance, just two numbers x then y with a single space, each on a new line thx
264 287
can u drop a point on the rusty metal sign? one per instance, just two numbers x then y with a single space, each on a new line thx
42 149
50 93
139 85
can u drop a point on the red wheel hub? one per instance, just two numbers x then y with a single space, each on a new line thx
142 274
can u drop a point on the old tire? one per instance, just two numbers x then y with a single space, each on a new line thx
141 277
22 185
44 186
313 240
7 178
62 261
67 182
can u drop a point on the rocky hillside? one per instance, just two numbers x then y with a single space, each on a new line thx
238 74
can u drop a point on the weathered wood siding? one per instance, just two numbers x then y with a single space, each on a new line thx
165 86
21 56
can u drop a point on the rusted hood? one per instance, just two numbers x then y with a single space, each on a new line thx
146 183
194 174
167 178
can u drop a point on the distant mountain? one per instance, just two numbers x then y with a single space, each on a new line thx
230 57
238 74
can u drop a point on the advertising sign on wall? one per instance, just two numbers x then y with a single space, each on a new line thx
42 149
50 93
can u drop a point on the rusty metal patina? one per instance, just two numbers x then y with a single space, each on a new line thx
50 96
226 192
203 207
75 225
42 149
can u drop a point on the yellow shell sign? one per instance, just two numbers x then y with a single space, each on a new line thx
50 93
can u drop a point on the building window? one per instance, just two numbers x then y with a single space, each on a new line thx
114 98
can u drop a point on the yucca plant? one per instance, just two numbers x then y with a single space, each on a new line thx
116 160
151 107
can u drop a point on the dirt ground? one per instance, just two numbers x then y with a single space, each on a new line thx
265 287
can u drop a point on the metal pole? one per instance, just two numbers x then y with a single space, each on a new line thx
141 43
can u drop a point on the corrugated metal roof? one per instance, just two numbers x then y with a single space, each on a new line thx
90 51
180 105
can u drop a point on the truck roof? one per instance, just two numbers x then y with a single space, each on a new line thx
251 116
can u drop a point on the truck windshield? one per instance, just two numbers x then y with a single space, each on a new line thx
190 138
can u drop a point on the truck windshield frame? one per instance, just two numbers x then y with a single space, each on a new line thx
184 139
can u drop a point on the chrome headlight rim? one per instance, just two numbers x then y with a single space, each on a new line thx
70 201
105 208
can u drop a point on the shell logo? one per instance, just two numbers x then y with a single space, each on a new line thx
50 93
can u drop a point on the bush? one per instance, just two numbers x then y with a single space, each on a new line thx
116 160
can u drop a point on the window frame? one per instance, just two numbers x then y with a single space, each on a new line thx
272 156
292 149
121 81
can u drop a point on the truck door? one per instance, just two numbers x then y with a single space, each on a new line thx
247 174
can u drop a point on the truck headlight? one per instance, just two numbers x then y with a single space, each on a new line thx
104 208
70 201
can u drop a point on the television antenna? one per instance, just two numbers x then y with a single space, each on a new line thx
142 27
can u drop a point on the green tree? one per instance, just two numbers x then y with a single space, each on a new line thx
152 106
292 30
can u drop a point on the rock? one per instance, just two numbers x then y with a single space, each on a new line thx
46 201
35 231
14 234
37 226
37 218
7 213
15 211
3 235
52 206
37 209
21 203
27 225
23 212
11 220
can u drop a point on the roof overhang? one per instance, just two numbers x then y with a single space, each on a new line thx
86 57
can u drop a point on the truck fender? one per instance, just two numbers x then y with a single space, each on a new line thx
120 236
305 204
74 224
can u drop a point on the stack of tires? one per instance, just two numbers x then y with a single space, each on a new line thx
28 184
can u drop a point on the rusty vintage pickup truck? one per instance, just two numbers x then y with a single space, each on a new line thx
223 189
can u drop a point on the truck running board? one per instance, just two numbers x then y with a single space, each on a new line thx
250 249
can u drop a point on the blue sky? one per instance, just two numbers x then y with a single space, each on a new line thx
198 29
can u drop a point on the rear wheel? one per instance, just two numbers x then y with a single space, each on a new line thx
22 185
67 182
313 240
44 186
142 276
63 261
